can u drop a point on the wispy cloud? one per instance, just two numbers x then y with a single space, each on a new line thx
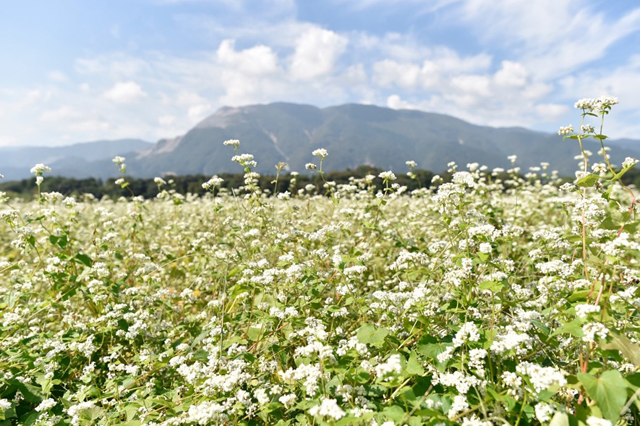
524 65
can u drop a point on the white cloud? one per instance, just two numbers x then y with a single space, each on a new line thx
64 113
57 76
257 60
472 85
166 120
355 75
422 6
8 140
316 52
511 74
125 92
387 73
117 66
551 112
198 112
551 37
528 67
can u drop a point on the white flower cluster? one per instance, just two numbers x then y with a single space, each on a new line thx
566 130
629 162
232 142
244 160
597 421
392 366
467 333
215 181
40 168
327 408
596 105
542 378
387 176
593 329
320 152
583 310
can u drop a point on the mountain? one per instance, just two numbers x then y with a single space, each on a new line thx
356 134
77 160
353 134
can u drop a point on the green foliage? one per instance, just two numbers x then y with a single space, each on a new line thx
491 298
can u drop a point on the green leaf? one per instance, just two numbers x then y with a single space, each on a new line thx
494 286
574 328
560 419
629 349
372 335
414 367
609 391
84 259
395 413
621 173
588 180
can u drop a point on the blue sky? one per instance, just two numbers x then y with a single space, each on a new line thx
77 70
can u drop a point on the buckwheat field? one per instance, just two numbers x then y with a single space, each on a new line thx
496 298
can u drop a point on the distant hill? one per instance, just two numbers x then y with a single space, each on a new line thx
353 134
77 160
357 134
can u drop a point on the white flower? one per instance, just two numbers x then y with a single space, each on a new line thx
485 248
393 365
40 168
46 405
320 152
596 421
310 166
232 142
465 178
596 105
629 162
288 400
541 377
159 181
592 329
459 405
1 176
585 309
468 332
119 181
565 130
4 404
543 411
328 408
244 160
118 160
411 164
387 175
587 128
512 158
213 182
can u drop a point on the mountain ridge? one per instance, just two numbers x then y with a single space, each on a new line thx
354 134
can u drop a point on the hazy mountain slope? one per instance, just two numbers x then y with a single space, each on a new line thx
353 134
77 160
357 134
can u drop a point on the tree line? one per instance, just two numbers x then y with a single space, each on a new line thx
184 184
